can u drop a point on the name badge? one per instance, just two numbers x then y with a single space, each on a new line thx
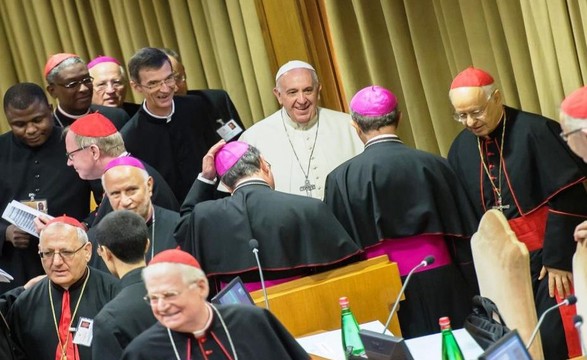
84 333
37 204
229 130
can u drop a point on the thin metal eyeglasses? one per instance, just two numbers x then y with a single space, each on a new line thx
166 296
65 254
69 155
565 135
157 84
478 114
116 84
87 81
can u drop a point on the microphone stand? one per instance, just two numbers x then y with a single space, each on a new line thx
396 304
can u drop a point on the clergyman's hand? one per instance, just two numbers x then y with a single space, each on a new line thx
18 238
560 280
580 233
208 167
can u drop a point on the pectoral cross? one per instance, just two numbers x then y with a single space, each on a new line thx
308 187
499 206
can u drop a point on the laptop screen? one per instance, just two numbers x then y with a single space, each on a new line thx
233 293
508 347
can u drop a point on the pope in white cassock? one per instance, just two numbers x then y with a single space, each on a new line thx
302 142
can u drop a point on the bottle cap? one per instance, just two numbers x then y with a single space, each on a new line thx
444 321
343 301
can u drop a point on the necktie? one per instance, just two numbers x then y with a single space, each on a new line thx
65 345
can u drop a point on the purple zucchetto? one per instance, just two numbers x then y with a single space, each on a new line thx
124 161
228 155
373 101
102 59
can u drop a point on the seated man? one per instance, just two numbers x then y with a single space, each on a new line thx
189 327
45 319
297 235
70 83
110 84
406 203
122 239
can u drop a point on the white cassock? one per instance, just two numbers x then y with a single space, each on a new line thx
320 146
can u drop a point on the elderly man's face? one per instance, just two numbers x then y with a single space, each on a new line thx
175 304
298 94
479 114
128 188
577 140
32 125
70 255
181 85
75 100
109 84
83 160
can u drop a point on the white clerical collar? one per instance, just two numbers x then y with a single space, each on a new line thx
199 333
249 181
287 120
74 117
382 138
166 117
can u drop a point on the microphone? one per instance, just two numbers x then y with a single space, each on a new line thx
578 322
570 300
254 246
427 261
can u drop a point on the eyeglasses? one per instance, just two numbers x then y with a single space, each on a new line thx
65 254
116 84
179 78
69 155
87 81
478 114
565 135
165 296
157 84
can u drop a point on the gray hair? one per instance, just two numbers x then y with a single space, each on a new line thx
111 145
62 65
82 236
487 89
247 165
369 123
315 81
144 174
189 274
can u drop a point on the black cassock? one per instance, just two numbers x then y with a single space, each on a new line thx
160 234
31 318
118 116
255 333
540 175
41 171
122 319
176 147
296 235
391 191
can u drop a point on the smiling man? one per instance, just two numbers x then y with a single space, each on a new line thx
302 141
48 320
110 84
189 327
168 133
516 162
34 172
69 82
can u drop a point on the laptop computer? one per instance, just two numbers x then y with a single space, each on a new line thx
234 293
384 347
508 347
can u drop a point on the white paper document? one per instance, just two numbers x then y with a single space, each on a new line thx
22 216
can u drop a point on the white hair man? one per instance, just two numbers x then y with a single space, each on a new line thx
189 327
